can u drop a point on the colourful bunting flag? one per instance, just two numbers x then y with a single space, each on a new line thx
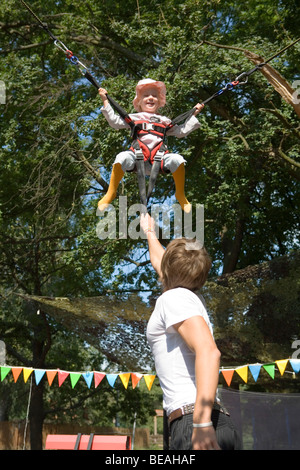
270 368
4 372
125 379
135 378
282 365
26 373
111 378
50 376
149 379
255 370
16 371
62 375
38 374
228 374
98 376
74 376
243 373
88 377
295 363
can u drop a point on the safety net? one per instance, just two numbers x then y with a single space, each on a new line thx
115 325
265 421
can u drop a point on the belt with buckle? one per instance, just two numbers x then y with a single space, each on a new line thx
189 409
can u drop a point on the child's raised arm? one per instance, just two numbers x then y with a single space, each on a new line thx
102 93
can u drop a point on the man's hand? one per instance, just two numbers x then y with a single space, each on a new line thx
147 223
205 439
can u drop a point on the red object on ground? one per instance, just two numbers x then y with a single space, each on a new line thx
87 442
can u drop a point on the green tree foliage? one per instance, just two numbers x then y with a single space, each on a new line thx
57 150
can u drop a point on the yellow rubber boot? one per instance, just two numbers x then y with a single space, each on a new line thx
179 179
116 176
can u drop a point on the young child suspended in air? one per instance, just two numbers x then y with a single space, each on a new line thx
150 97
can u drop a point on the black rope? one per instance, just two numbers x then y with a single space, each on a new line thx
282 50
234 83
262 64
43 25
82 68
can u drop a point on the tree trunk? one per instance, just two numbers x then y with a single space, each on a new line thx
232 247
40 348
36 416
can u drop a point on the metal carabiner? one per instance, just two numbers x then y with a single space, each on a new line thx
61 46
229 86
243 74
81 67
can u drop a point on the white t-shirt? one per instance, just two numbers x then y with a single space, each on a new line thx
174 361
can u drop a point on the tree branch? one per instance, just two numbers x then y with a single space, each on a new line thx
27 46
239 136
81 158
285 122
107 43
223 46
291 161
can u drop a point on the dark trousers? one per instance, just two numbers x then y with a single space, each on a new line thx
181 430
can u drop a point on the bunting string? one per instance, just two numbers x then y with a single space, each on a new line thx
95 378
90 377
255 370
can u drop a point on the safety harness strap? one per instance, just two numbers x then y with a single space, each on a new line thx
155 157
140 168
155 169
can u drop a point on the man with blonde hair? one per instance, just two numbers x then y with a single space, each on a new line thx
186 357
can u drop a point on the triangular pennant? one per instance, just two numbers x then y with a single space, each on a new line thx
125 379
88 377
50 376
295 363
255 370
26 373
4 371
62 375
74 376
16 371
135 378
281 365
149 379
111 378
270 368
243 373
228 374
38 374
98 376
